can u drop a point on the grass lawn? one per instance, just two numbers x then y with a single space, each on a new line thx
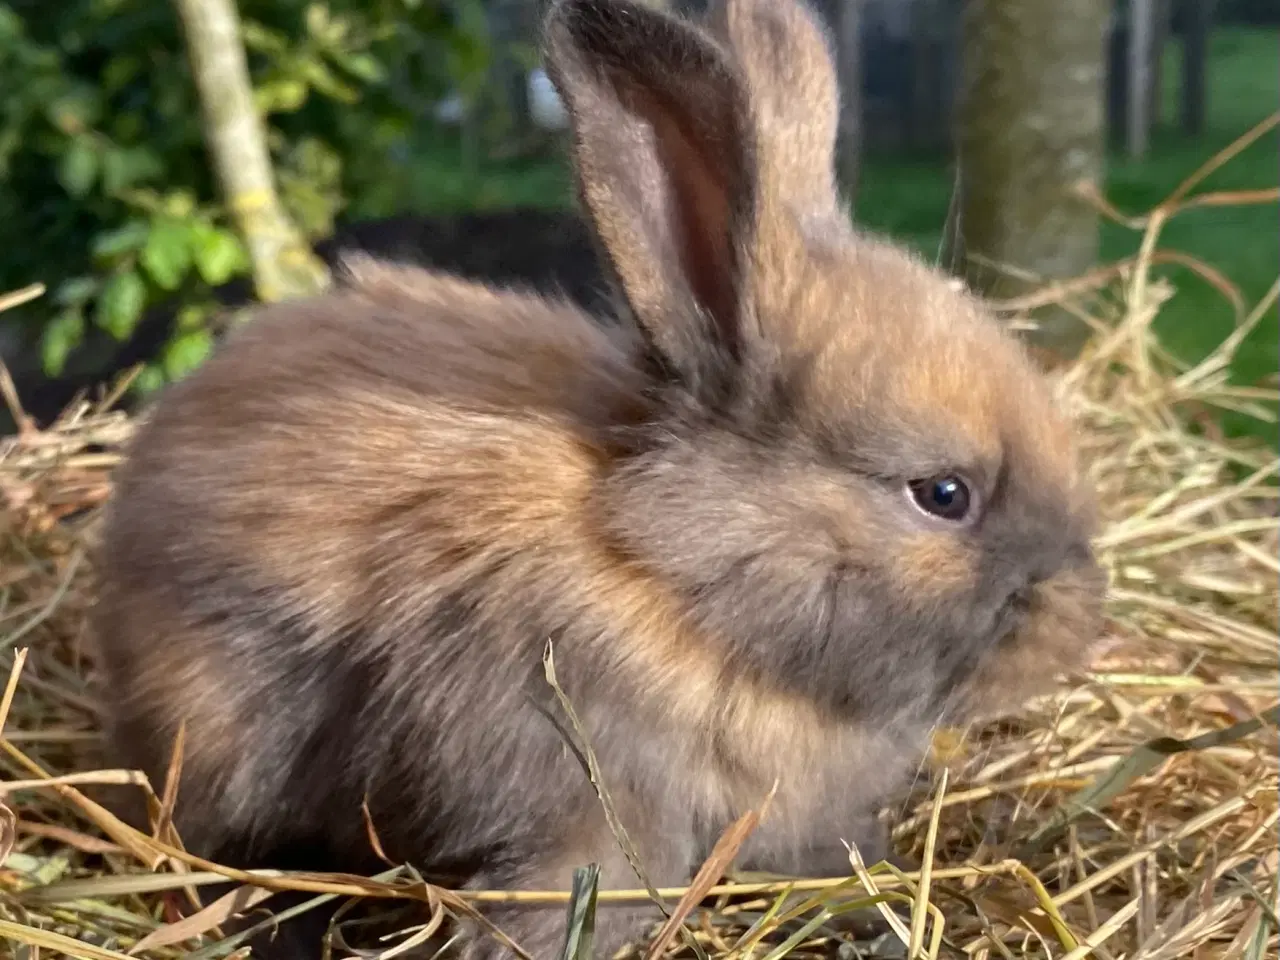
908 200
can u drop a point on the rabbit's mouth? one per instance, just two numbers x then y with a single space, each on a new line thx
1013 616
1042 629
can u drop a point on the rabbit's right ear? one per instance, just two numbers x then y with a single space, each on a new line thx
665 166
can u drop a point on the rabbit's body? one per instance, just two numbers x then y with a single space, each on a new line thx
811 500
381 518
351 561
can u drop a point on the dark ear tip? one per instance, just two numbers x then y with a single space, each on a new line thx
568 18
568 26
590 23
581 36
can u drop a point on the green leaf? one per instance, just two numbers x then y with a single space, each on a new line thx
78 167
11 25
124 239
167 254
284 95
121 304
322 79
75 291
581 918
180 203
317 19
129 125
192 316
149 379
146 199
62 335
185 353
363 66
120 71
218 253
74 111
123 168
262 39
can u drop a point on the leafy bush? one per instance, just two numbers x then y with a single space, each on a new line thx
106 191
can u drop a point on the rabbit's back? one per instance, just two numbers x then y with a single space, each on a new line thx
317 543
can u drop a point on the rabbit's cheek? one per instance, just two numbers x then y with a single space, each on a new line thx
934 568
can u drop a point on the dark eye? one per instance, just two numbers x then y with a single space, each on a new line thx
945 496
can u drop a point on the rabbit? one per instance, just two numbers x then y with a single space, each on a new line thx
548 251
808 500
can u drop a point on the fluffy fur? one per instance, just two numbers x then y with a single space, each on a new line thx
338 551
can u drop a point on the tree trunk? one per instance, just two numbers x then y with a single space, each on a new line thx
1161 30
284 266
848 31
1141 39
1031 126
1195 50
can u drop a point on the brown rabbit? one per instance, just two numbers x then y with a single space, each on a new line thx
810 501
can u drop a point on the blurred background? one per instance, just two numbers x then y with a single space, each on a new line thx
163 162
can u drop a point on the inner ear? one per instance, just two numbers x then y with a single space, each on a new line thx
702 213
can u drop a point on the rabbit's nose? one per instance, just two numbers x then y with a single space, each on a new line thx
1080 554
1051 559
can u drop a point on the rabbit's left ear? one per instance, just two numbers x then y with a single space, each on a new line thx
665 163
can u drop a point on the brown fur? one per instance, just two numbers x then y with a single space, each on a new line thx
339 549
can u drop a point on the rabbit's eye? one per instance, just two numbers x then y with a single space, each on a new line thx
945 496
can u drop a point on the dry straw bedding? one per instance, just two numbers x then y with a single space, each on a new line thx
1132 815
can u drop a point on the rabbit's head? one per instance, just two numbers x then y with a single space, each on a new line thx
855 481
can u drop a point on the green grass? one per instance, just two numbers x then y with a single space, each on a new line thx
1242 242
908 199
